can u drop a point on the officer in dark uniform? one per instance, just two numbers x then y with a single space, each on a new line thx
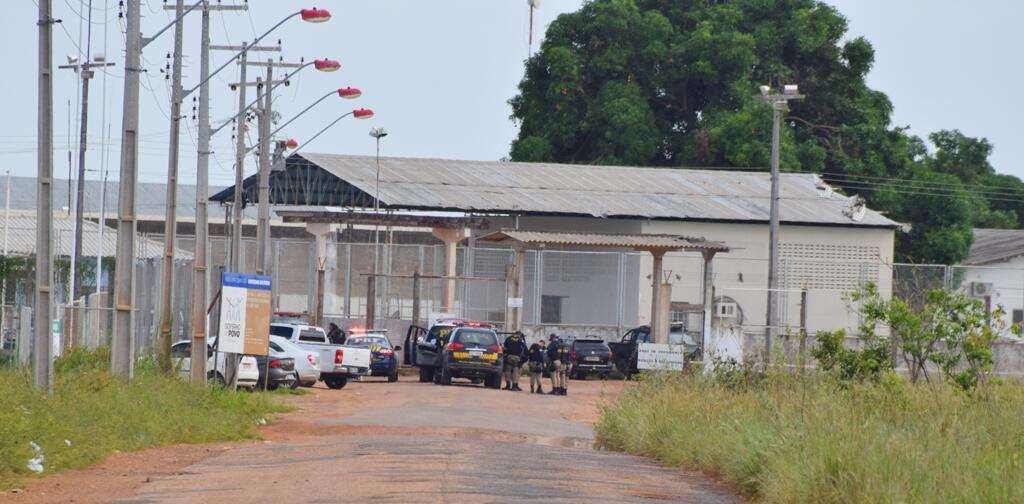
558 356
515 354
537 351
335 334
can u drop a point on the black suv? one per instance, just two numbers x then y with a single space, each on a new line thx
473 353
590 355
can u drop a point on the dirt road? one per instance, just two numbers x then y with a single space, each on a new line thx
401 442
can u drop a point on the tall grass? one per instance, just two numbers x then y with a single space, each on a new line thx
93 414
795 439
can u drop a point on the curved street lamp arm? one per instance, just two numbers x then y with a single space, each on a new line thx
147 40
322 98
321 132
236 56
272 88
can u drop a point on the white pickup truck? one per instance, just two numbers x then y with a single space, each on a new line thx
338 363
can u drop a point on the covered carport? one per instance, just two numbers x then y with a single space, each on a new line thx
657 244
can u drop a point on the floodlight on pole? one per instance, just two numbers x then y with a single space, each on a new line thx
778 103
347 93
358 114
377 134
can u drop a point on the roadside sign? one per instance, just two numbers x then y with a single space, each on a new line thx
245 314
660 357
515 302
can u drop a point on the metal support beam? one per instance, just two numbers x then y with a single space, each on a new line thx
245 48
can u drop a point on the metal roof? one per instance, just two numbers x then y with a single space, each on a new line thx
21 237
607 240
599 191
995 245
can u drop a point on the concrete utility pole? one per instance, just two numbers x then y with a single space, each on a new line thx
122 354
41 372
200 278
263 228
236 203
778 103
163 341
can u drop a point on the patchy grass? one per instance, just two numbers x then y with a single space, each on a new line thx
93 414
792 439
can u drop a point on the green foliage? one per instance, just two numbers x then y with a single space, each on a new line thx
804 440
867 363
99 413
672 83
951 330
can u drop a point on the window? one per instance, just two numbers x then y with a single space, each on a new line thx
476 337
282 331
726 310
181 350
551 309
1018 318
275 347
313 335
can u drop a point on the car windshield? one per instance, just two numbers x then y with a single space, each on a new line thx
476 337
367 341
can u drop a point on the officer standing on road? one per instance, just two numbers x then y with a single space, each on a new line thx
537 351
515 353
558 355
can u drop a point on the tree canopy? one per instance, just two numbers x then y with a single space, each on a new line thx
673 82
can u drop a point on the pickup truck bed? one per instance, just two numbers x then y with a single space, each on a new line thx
338 363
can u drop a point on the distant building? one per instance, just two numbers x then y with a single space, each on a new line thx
994 270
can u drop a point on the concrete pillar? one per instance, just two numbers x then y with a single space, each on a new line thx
708 299
451 239
659 331
516 280
322 232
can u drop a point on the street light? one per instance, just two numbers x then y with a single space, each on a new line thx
348 93
377 134
778 103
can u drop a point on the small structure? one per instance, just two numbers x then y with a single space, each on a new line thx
657 245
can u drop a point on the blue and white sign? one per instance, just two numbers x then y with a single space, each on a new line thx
245 314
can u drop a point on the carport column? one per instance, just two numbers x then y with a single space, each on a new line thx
517 278
451 238
322 232
708 298
659 331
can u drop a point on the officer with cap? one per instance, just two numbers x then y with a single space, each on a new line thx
515 354
558 355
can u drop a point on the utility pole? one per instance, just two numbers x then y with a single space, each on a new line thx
103 224
263 227
200 269
122 353
236 202
163 340
778 103
42 376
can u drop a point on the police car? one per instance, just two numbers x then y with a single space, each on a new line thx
383 356
441 353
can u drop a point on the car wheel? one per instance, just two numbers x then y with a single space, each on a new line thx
336 382
215 379
446 376
494 381
475 381
604 376
295 383
393 374
426 375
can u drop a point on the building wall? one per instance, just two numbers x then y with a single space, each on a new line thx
827 261
1007 279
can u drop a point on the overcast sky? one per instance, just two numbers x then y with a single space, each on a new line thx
438 75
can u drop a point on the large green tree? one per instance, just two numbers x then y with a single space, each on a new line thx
672 83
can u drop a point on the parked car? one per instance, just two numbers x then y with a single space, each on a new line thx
338 363
307 363
383 357
248 373
624 352
279 369
425 347
471 352
590 355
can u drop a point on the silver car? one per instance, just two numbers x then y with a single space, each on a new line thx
307 365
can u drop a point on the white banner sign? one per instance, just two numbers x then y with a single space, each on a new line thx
660 357
515 302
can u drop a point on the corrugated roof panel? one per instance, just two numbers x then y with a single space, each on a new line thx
21 237
593 190
606 240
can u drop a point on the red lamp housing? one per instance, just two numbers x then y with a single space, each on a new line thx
292 143
350 93
326 65
315 15
362 113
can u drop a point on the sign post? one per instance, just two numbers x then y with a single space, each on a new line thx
660 357
244 314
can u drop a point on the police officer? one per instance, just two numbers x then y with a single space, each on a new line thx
558 355
515 354
537 351
336 335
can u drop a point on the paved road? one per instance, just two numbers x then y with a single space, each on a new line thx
410 442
